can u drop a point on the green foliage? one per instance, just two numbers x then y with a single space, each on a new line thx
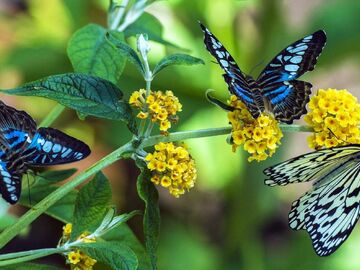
87 94
149 25
29 266
123 234
116 255
91 205
91 53
56 176
63 209
151 221
217 102
177 59
126 50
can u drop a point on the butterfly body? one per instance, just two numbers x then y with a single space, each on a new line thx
330 210
276 90
23 145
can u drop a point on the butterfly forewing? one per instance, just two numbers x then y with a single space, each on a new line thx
51 147
238 83
294 60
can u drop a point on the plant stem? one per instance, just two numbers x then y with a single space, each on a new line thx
10 232
52 116
18 257
296 128
119 15
184 135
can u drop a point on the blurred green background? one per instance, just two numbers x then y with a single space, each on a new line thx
230 220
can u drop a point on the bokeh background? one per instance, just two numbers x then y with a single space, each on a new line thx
230 220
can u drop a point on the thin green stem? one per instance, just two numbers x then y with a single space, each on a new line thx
149 129
52 116
10 232
119 15
184 135
19 257
26 253
296 128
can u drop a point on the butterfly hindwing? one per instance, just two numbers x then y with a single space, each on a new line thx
10 180
296 59
51 146
330 210
287 100
238 83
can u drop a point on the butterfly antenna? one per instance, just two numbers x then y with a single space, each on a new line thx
258 64
28 184
340 140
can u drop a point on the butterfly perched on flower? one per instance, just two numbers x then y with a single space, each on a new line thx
277 89
23 145
330 210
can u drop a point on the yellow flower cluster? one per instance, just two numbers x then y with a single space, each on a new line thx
160 107
76 258
335 117
172 167
260 136
80 261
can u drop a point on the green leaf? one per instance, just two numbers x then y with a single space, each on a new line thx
218 102
148 24
149 194
127 51
123 234
116 255
87 94
29 266
177 59
57 176
62 210
91 205
90 52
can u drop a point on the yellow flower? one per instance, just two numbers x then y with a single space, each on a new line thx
260 137
67 229
74 257
142 115
335 117
158 106
177 172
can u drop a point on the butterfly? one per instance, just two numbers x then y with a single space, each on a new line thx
22 144
330 210
277 89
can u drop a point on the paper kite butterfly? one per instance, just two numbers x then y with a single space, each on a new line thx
23 145
330 210
277 89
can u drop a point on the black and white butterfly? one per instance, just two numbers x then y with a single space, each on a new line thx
330 210
23 145
277 89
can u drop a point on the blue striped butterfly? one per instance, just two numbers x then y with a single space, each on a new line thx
277 89
330 210
23 145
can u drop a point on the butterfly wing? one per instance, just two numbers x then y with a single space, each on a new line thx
308 167
50 146
293 61
16 127
238 84
287 97
10 180
330 210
